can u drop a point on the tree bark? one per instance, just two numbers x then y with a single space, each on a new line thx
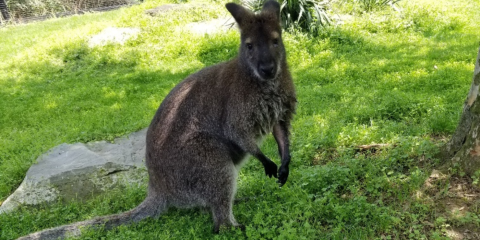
464 146
4 10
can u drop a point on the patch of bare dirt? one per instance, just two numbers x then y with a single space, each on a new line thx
454 197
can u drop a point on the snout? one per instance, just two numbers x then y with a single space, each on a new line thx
267 70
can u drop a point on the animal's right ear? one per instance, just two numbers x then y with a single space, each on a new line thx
240 13
272 8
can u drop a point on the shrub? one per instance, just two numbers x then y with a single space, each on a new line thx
308 15
370 5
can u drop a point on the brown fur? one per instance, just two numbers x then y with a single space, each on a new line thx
209 123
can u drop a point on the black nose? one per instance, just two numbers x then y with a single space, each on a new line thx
267 69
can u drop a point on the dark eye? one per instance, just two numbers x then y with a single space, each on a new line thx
275 41
249 46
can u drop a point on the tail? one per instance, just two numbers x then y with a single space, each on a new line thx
150 207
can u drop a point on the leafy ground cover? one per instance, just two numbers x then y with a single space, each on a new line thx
396 78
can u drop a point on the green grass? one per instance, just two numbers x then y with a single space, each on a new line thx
381 77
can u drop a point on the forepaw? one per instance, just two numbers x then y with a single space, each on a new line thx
282 175
270 169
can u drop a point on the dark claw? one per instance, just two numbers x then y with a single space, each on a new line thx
279 183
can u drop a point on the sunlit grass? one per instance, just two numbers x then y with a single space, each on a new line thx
398 78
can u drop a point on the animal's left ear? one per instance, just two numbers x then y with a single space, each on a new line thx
272 8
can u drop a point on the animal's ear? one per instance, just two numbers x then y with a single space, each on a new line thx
272 8
240 13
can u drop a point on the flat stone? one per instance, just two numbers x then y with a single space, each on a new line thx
201 28
340 19
211 27
80 171
113 35
167 8
163 9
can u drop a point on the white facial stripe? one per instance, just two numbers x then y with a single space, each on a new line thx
279 69
275 35
255 72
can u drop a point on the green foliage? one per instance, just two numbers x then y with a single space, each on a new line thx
308 15
476 177
379 77
370 5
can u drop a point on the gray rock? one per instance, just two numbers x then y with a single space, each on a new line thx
79 171
340 19
211 27
163 9
202 28
167 8
112 35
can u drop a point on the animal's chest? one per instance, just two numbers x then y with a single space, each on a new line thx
268 110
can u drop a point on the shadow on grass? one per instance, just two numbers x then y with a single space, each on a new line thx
406 88
78 95
353 91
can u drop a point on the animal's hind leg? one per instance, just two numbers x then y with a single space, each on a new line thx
211 178
223 215
221 202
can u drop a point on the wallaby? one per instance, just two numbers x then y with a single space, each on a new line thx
208 124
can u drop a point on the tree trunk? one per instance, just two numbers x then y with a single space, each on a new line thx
4 10
464 146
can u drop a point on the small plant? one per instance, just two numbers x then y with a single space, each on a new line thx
308 15
476 177
370 5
